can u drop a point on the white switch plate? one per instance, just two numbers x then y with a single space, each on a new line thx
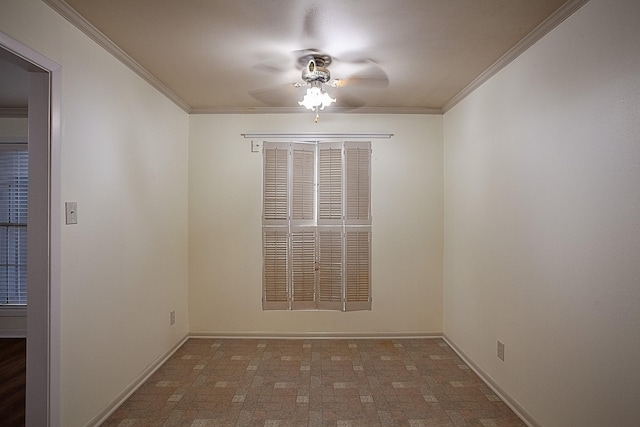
71 209
255 146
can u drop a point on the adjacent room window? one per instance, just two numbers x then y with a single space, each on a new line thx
316 226
13 223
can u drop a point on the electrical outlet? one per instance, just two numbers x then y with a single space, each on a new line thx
173 317
501 350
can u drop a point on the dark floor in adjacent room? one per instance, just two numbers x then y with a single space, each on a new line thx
314 382
13 357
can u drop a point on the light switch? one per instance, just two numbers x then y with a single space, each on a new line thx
71 212
255 146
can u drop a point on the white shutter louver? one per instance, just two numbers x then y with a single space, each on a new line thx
14 172
330 268
275 184
303 184
303 274
275 272
357 164
330 183
358 268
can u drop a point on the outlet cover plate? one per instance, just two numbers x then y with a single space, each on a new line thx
500 350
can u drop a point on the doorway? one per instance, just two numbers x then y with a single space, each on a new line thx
43 236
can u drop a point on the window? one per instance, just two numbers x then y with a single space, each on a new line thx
13 224
316 226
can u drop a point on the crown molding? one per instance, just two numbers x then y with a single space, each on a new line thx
298 110
94 34
545 27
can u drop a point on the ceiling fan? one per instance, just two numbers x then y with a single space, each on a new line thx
315 76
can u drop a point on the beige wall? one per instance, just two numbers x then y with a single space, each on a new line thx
225 227
542 235
13 127
124 265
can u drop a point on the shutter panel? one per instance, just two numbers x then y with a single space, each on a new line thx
317 226
303 157
358 192
330 183
358 226
303 268
330 268
275 183
14 173
358 268
275 273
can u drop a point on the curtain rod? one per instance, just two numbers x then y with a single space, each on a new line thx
322 135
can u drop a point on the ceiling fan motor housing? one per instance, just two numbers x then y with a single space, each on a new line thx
314 71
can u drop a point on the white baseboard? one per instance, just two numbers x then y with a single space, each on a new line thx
515 406
315 335
134 385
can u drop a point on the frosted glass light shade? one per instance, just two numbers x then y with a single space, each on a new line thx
316 97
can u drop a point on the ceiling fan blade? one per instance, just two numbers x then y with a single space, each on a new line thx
275 62
347 101
372 76
269 68
354 58
310 26
279 96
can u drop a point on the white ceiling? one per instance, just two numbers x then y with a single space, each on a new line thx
241 56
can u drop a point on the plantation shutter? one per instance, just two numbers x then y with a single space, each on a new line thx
275 230
14 170
303 231
358 226
330 217
275 248
275 184
303 268
330 184
358 192
358 269
330 268
317 226
303 184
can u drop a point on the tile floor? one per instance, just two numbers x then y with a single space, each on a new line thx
314 382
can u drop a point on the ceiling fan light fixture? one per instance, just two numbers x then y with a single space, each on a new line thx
316 98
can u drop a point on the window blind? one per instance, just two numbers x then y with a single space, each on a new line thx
317 226
14 169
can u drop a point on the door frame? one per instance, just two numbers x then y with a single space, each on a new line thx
44 233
